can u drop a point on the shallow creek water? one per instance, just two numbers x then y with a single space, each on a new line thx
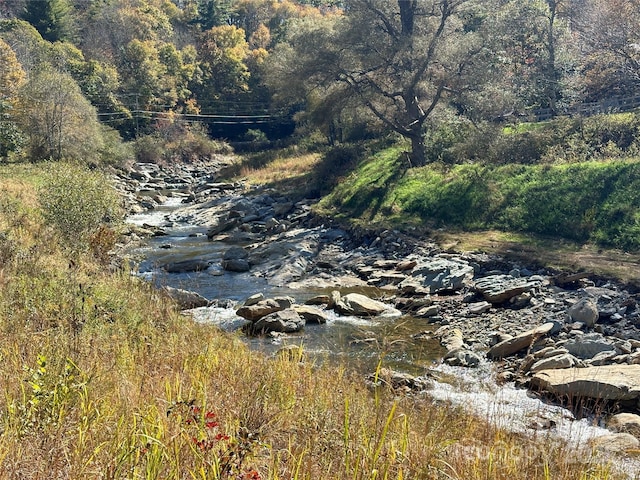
360 343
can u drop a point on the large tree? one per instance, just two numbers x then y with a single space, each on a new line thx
58 120
610 37
400 59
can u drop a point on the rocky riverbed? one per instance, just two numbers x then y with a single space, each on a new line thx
572 336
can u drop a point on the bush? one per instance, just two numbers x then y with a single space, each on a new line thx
178 143
78 203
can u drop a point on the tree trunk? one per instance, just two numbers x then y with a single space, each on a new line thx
418 151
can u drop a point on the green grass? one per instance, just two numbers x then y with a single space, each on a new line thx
595 201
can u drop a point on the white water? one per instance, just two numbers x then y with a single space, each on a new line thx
521 411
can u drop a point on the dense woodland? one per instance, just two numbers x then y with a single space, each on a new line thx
76 77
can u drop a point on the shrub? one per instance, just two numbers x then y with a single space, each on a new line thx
77 203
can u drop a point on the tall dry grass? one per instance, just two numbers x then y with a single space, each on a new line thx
101 377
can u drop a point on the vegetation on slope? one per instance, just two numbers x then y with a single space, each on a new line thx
582 185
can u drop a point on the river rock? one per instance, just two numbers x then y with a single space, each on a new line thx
438 274
616 443
589 345
520 342
360 305
501 288
462 358
585 311
185 299
235 259
254 299
222 224
399 380
607 382
319 300
183 266
565 360
285 321
625 422
311 314
258 310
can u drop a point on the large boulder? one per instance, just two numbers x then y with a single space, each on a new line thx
439 274
606 382
360 305
286 321
501 288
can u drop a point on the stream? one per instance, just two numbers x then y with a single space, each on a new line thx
360 342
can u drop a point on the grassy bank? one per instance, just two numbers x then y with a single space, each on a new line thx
101 377
597 201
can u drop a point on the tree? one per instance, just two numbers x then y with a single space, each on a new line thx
12 77
222 53
610 34
400 59
58 120
52 18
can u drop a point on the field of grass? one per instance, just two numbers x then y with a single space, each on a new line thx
101 377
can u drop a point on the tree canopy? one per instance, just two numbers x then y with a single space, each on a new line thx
347 67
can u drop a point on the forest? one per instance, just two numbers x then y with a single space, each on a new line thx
78 77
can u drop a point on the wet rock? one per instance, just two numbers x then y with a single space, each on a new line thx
184 266
584 311
285 321
399 380
235 259
258 310
311 314
521 341
253 299
185 299
284 302
501 288
462 358
319 300
222 225
360 305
